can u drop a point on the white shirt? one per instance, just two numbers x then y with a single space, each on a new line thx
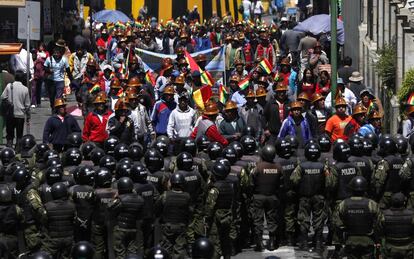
349 97
258 7
171 45
247 5
181 123
19 61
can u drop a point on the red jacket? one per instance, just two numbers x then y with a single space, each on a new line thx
95 130
213 135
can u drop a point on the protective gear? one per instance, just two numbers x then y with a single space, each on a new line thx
358 224
387 146
220 171
346 171
122 170
202 249
185 161
53 175
238 148
268 153
27 142
5 194
358 185
100 99
59 190
41 255
341 152
340 102
164 139
177 180
312 151
121 151
188 145
230 105
7 155
86 150
214 150
59 102
169 90
96 155
125 185
293 141
267 178
49 154
398 227
135 151
402 145
21 177
74 139
85 176
138 173
161 146
109 144
158 253
108 162
202 143
153 159
283 147
40 150
211 108
356 146
103 177
324 142
120 105
230 154
312 182
73 156
367 147
54 162
249 144
83 250
249 131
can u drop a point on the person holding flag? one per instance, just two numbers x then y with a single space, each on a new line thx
239 97
370 102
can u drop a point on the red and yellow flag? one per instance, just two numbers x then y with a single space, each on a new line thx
266 66
244 84
202 95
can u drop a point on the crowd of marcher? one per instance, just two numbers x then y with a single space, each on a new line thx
150 173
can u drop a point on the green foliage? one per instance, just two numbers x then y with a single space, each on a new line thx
386 65
407 87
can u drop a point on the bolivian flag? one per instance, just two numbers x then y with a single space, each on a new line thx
266 66
94 88
206 78
149 77
223 94
202 95
244 84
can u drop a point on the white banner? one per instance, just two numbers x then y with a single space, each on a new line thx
31 14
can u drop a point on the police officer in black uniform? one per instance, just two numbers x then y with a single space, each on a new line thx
53 175
58 222
82 196
175 209
127 209
267 180
103 195
155 164
83 249
72 158
202 249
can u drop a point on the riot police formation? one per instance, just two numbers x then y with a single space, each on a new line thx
207 200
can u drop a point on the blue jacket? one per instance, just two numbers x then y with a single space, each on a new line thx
288 128
368 128
56 131
202 43
160 116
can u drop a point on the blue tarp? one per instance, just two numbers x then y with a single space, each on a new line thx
321 23
110 16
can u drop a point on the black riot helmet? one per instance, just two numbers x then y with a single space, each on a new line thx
214 150
224 161
126 160
373 138
220 171
22 178
96 155
74 139
49 154
122 170
54 162
202 143
161 146
177 181
40 150
135 151
73 156
312 151
230 154
402 144
356 145
367 147
249 144
103 177
27 142
12 167
86 150
239 149
387 146
324 142
341 152
5 193
283 148
40 255
109 144
268 153
85 175
249 131
188 145
125 185
184 161
293 141
59 191
53 175
7 155
108 162
138 173
153 159
398 200
203 248
358 185
83 250
158 252
121 151
164 139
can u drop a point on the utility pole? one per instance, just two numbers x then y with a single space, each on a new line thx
334 58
